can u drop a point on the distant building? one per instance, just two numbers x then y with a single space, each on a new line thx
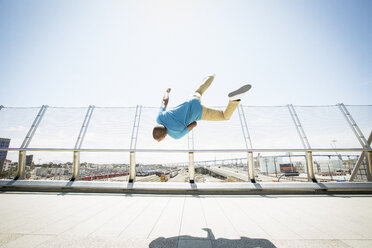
29 159
270 164
6 165
329 165
4 143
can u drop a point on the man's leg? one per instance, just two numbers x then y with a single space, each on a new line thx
210 114
202 88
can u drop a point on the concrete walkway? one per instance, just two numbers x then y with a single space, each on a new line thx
119 220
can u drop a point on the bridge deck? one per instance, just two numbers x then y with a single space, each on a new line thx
128 220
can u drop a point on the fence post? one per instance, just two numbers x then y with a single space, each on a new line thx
133 144
304 141
132 167
79 142
191 167
369 155
243 123
21 165
76 166
310 166
354 127
360 161
251 167
26 142
34 126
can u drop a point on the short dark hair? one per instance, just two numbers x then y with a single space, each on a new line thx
159 132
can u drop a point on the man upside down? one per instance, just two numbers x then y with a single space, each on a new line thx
183 118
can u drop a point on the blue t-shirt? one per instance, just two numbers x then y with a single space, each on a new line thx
177 119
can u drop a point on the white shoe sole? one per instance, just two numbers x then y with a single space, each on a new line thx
237 94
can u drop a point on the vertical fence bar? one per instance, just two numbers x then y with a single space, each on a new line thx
132 167
191 167
76 166
245 130
34 126
354 127
369 176
84 127
362 140
136 123
133 143
190 140
248 143
357 167
299 128
251 167
79 142
26 142
21 165
360 161
304 141
310 166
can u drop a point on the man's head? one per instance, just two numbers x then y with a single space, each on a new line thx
159 132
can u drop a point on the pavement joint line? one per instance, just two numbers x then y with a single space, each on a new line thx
53 212
100 210
130 207
246 214
108 220
35 204
224 213
157 220
183 208
326 231
72 214
284 224
205 218
130 223
302 220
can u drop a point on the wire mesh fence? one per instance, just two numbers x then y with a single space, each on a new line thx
117 128
326 127
58 128
271 127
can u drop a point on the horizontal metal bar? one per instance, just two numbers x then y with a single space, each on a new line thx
186 188
187 150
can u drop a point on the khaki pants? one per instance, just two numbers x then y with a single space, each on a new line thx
210 114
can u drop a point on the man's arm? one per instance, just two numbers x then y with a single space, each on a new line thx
192 125
164 103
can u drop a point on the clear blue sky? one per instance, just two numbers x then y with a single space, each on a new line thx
124 53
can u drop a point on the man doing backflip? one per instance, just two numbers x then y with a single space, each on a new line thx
183 118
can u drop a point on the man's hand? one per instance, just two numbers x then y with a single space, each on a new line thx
192 125
165 101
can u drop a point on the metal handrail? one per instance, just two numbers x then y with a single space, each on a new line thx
190 150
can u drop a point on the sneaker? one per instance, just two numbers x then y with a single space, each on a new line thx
237 94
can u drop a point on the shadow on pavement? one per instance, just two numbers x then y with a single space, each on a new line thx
186 241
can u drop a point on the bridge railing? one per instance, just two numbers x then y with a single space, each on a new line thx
191 162
75 136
